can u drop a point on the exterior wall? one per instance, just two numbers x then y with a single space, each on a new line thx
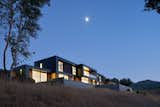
77 84
68 83
67 68
21 72
52 64
117 87
49 63
109 86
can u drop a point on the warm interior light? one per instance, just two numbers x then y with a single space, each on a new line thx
73 70
41 65
60 66
63 76
85 80
39 76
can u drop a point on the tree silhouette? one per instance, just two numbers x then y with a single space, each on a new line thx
152 5
126 82
19 22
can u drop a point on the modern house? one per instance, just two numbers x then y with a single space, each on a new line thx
55 67
25 72
59 68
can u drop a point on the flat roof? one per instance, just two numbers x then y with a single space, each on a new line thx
60 58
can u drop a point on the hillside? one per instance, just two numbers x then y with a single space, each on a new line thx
13 94
146 85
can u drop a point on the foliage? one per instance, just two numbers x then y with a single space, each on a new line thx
152 5
115 80
107 80
18 22
146 85
126 82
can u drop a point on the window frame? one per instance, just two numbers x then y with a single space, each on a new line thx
60 66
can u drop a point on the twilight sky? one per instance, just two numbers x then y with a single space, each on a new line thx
120 39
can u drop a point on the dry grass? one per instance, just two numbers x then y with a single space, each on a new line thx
14 94
154 94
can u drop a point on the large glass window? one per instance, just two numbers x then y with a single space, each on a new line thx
63 76
66 77
60 75
85 68
94 82
53 76
73 70
39 76
60 66
86 71
85 80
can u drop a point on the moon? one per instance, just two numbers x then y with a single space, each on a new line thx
87 19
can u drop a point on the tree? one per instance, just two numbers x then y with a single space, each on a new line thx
107 80
152 5
19 21
115 80
126 82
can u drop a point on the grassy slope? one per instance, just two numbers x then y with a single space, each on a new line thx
13 94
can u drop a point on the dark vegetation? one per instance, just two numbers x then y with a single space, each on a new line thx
146 85
124 81
18 94
152 5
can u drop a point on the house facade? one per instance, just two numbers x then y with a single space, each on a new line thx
55 67
59 68
25 72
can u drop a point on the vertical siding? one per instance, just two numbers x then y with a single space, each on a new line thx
49 63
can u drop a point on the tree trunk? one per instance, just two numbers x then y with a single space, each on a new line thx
6 47
10 22
14 57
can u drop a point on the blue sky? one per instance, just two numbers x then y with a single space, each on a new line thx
121 40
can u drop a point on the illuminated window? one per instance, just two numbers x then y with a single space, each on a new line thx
43 77
73 70
39 76
60 75
100 79
63 76
85 80
21 71
86 68
60 66
94 82
66 77
53 75
86 71
98 83
41 65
